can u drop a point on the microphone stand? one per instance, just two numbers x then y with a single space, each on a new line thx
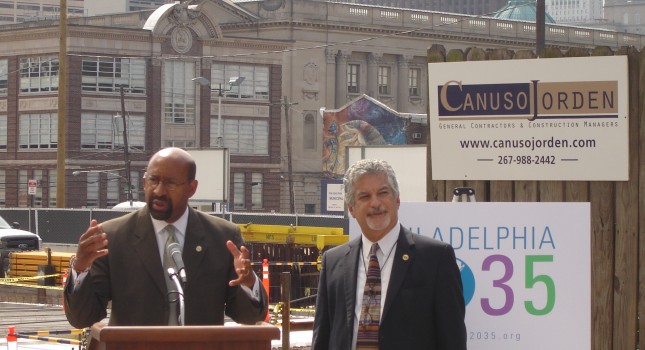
180 291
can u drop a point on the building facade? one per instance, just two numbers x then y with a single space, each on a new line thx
627 16
297 57
579 12
12 11
468 7
99 7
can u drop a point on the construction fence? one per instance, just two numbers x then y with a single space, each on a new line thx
290 243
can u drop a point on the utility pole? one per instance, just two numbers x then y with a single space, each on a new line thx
292 200
125 148
61 147
540 19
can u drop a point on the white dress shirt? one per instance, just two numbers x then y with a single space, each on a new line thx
385 256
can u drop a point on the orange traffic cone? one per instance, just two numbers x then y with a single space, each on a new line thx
12 340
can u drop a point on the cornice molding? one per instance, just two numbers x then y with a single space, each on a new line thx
245 44
75 32
467 38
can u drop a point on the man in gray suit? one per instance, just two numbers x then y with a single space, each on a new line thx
121 260
389 288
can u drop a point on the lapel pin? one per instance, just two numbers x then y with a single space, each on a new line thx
405 257
198 248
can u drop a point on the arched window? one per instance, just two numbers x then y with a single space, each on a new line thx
309 132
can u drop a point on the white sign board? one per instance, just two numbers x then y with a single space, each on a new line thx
408 162
213 173
539 119
525 267
335 198
31 187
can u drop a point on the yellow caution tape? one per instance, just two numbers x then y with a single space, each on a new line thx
18 279
32 286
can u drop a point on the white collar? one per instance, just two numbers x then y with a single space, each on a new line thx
385 244
180 224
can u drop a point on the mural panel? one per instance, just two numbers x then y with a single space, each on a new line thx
363 121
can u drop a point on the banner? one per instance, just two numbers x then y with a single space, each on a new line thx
525 268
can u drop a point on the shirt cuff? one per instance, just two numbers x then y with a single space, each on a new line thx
78 278
254 293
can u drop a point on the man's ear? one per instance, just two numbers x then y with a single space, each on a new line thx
193 187
351 210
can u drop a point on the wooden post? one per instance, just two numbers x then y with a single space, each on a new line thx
61 146
285 296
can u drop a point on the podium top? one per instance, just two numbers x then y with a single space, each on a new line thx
187 336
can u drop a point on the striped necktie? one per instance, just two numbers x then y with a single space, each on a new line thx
172 288
370 317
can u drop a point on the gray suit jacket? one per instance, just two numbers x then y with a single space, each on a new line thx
132 277
424 308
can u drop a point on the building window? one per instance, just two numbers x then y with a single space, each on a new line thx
310 209
243 136
309 131
104 131
135 184
106 74
255 85
4 73
413 80
384 80
39 74
180 144
3 189
37 199
3 132
92 190
179 92
38 130
352 78
113 189
135 129
238 191
256 191
52 188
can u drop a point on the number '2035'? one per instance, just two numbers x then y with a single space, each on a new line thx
531 280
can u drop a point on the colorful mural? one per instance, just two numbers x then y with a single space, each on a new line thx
363 121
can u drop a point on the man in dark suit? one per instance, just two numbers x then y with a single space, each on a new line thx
121 260
408 295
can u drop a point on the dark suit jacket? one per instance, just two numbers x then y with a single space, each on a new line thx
132 277
424 306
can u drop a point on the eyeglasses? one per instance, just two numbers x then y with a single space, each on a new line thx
170 185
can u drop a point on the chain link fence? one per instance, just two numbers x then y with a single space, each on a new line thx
55 225
64 226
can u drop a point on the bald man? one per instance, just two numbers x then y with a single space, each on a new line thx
122 260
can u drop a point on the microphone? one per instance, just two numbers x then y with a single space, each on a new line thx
175 253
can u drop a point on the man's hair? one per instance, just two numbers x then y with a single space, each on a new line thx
368 166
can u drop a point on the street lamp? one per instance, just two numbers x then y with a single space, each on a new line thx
233 81
129 184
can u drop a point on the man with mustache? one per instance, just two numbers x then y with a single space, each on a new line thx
389 288
124 260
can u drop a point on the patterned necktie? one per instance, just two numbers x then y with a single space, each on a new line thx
368 323
172 288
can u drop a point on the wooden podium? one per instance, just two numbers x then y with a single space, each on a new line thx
187 337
